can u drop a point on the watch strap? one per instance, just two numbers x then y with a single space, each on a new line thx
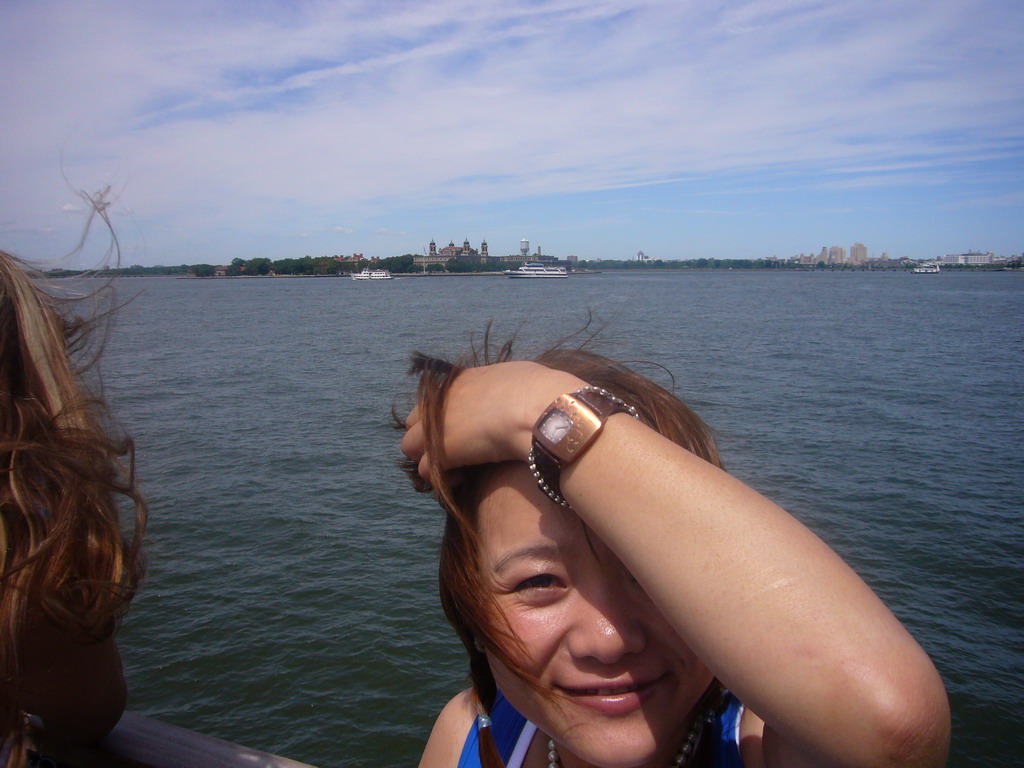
547 472
602 402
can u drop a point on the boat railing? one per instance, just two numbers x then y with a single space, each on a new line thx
142 742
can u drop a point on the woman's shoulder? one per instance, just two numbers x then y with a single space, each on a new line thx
750 736
449 733
76 687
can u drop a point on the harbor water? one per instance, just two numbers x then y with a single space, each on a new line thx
291 599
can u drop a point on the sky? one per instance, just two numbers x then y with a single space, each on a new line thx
594 128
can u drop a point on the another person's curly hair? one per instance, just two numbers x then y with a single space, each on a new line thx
467 602
71 515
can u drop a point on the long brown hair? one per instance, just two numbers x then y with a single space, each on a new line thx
467 603
66 481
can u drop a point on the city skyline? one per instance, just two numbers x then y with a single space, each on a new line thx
740 130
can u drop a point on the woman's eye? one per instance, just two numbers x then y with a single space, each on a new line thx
542 581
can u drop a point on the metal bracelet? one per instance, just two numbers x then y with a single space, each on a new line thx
631 410
542 483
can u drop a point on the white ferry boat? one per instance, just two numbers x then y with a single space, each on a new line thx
926 269
535 269
373 274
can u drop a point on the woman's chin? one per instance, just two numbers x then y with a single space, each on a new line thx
610 757
614 743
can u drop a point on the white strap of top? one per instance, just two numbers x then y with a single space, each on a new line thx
522 745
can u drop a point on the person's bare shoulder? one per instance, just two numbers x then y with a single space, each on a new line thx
76 688
761 747
449 734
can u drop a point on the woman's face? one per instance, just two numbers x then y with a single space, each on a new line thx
621 683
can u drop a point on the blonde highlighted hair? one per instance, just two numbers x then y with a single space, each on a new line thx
66 482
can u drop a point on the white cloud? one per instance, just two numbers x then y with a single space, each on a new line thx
254 116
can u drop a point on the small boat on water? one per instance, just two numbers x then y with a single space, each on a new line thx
927 269
373 274
535 269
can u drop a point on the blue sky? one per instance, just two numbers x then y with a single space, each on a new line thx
592 127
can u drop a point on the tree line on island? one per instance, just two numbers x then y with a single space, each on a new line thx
325 266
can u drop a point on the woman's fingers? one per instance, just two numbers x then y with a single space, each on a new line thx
424 467
455 476
412 442
413 446
413 418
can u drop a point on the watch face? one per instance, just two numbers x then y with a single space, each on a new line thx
555 426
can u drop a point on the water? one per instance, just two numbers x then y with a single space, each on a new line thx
291 599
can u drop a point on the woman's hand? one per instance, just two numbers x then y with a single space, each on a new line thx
489 414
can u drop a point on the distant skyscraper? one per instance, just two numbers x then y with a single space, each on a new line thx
836 254
858 253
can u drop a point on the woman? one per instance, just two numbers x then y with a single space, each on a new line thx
620 595
67 570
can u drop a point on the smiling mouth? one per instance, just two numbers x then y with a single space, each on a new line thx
614 700
605 691
618 690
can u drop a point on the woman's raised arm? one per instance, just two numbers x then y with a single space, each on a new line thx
773 612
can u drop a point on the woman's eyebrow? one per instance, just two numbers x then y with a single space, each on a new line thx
538 551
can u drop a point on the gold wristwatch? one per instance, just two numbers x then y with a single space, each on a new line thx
566 429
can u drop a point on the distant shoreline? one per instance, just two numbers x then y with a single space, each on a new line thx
348 276
585 272
236 277
957 269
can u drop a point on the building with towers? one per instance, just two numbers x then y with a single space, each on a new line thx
465 252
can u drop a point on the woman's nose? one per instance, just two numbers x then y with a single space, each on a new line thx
605 626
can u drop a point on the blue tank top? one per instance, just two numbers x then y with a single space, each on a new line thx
507 725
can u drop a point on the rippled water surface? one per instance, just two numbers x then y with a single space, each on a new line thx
291 605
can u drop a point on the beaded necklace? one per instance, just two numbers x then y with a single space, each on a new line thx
682 757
